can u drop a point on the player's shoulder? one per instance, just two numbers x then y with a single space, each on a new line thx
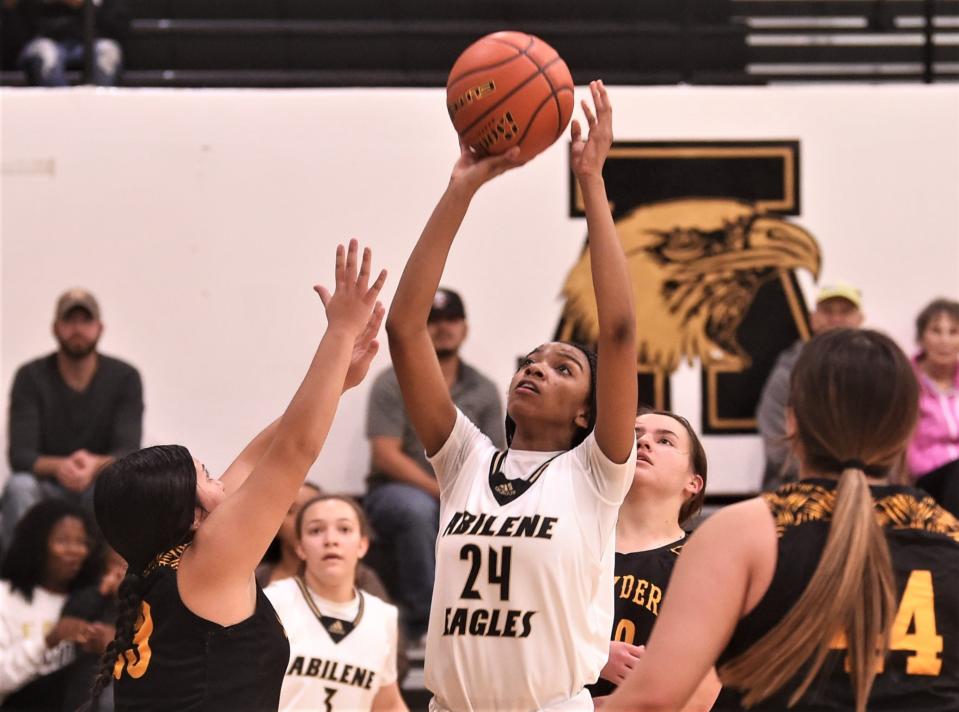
282 592
379 608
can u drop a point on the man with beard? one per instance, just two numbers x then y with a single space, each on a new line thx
71 412
403 498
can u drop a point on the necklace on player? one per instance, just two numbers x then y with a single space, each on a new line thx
336 627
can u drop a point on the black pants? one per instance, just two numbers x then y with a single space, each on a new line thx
943 484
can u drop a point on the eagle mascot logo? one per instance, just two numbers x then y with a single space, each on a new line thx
695 265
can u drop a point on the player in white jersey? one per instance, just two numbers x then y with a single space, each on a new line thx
342 640
522 605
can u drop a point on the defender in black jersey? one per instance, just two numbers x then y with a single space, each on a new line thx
667 490
195 631
921 671
837 592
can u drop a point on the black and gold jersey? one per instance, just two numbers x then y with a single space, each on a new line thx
187 663
921 671
639 582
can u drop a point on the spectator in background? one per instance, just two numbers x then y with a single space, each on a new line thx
934 451
70 413
837 307
53 553
403 500
55 32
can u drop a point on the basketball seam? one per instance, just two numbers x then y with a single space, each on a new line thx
532 118
520 52
552 93
515 89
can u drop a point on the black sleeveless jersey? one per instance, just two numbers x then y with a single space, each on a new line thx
921 671
639 582
183 662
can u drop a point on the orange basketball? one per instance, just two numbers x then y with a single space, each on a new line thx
510 89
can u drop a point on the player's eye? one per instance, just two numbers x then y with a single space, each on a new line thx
563 368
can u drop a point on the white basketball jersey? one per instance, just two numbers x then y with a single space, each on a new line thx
523 600
331 676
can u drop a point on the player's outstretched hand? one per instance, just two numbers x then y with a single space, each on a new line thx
350 306
472 170
364 349
588 155
622 658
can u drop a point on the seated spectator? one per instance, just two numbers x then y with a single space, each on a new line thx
53 553
934 450
55 32
99 605
329 620
837 307
403 499
71 412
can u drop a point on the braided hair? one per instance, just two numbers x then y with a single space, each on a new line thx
145 505
130 597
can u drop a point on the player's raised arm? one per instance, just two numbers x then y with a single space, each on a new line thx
425 392
616 388
233 538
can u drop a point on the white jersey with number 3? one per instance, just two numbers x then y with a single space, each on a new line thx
329 676
523 600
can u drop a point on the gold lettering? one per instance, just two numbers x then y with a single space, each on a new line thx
641 586
655 596
137 662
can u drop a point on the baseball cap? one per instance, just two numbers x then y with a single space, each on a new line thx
840 290
446 305
76 298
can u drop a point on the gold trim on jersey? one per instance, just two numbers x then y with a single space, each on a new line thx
170 559
336 628
802 502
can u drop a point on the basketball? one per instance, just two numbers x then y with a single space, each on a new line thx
509 89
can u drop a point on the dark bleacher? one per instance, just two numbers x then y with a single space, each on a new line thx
269 43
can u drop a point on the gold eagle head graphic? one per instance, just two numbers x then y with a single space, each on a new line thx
695 265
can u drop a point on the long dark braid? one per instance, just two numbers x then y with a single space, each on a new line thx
130 596
145 504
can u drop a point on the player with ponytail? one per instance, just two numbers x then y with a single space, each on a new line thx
834 592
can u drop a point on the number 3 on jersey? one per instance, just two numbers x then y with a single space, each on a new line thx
916 611
499 566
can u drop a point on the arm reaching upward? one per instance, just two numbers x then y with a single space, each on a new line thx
215 573
616 388
425 392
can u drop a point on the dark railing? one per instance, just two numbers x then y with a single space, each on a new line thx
414 42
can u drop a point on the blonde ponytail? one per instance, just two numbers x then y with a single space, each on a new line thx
851 593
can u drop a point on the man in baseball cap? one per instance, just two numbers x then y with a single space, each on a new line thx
838 306
71 412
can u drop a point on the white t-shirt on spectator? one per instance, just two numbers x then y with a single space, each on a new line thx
24 655
523 600
324 674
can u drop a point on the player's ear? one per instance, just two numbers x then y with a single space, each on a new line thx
299 551
364 546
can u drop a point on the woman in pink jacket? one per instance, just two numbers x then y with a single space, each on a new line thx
934 450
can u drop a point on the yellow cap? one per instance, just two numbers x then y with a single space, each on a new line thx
840 290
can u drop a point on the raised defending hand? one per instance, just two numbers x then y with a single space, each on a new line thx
472 170
353 301
364 349
588 155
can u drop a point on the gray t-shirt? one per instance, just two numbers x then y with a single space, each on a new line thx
473 393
